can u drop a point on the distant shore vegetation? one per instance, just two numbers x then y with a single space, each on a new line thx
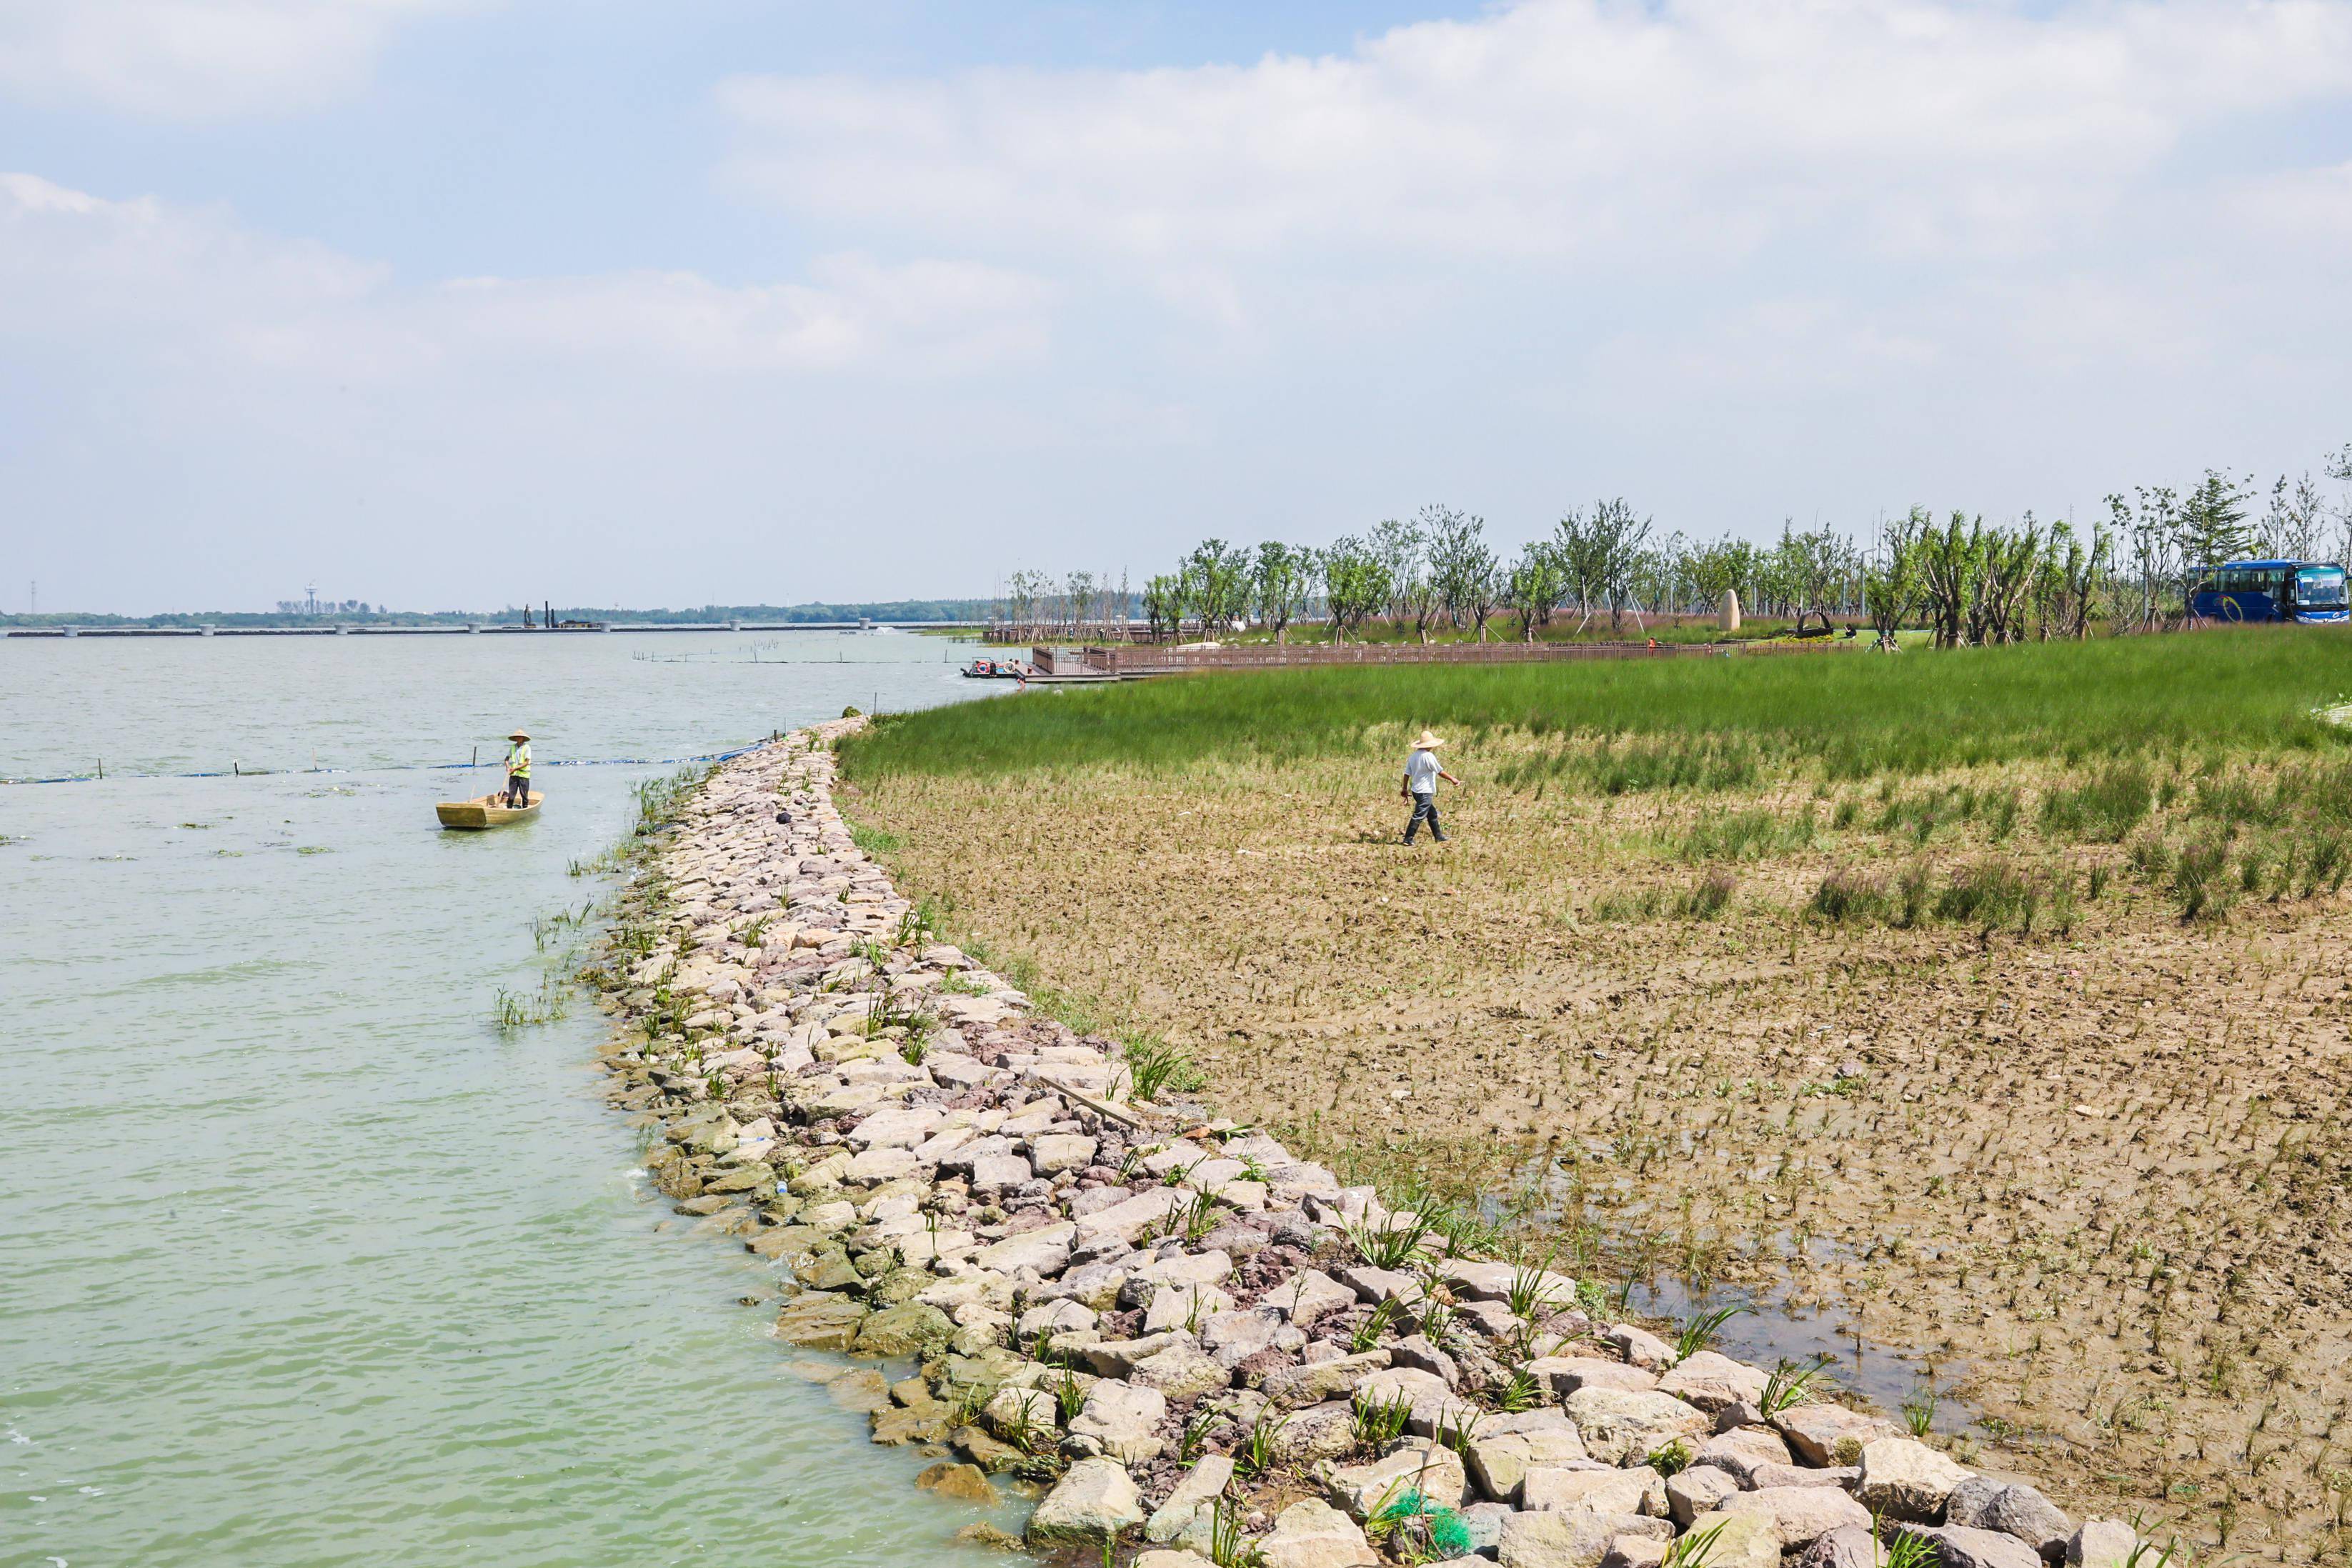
360 614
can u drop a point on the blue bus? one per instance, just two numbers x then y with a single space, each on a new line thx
2270 591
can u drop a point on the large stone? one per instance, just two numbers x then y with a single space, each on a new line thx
2012 1508
1094 1285
1198 1491
820 1322
897 1128
1799 1515
908 1329
1314 1534
999 1171
1759 1477
1184 1307
1957 1546
1431 1404
1743 1541
1641 1347
1045 1250
1291 1388
1622 1425
967 1483
1131 1218
1233 1337
1637 1490
1713 1382
1430 1469
1121 1357
1185 1269
1125 1419
1013 1412
1743 1452
1318 1432
962 1159
1052 1317
1180 1371
1830 1434
1500 1464
1698 1489
1845 1547
1093 1502
1902 1478
1172 1559
1569 1540
2102 1543
1307 1296
1564 1375
1054 1153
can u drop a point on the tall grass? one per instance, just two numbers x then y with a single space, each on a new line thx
1704 723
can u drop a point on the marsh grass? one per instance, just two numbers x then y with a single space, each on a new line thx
1713 724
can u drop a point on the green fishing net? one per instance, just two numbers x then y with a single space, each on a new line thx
1420 1526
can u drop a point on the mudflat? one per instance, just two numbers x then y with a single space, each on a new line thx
2031 1066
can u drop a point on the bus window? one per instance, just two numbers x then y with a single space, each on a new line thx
2320 586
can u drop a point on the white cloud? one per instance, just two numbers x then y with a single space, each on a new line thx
197 58
196 381
77 268
1605 133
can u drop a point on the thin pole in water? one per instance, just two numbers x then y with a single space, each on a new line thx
101 768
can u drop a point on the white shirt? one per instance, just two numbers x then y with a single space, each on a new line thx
1421 772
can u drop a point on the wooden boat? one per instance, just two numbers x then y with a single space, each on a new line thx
489 811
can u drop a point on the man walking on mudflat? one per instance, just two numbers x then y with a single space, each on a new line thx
1420 775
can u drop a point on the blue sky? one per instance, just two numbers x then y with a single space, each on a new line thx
710 300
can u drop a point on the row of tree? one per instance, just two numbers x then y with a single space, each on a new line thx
1971 582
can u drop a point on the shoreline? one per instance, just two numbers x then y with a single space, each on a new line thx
940 1173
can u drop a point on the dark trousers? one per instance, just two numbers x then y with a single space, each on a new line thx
518 790
1425 810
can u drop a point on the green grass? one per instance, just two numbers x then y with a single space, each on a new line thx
1704 722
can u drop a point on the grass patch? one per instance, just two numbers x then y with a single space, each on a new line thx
875 841
1700 723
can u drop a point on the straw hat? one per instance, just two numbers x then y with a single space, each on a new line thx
518 734
1426 742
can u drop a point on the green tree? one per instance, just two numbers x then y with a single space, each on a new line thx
2212 521
1163 606
1282 583
1890 579
1536 587
1355 584
1216 577
1462 569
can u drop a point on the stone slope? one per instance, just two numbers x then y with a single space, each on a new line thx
1169 1321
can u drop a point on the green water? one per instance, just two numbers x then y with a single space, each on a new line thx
301 1261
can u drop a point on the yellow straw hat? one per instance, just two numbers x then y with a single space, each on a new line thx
1426 741
518 734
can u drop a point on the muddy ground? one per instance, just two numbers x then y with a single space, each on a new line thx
2093 1174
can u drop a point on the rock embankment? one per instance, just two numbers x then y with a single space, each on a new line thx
1200 1347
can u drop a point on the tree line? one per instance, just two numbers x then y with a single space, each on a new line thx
1970 581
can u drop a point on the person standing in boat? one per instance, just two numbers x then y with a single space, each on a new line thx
519 770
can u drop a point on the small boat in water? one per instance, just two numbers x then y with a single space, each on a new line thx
489 811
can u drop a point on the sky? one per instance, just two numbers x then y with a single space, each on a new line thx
463 303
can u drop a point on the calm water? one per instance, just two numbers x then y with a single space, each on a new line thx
302 1261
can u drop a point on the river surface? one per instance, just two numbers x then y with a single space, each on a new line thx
302 1260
